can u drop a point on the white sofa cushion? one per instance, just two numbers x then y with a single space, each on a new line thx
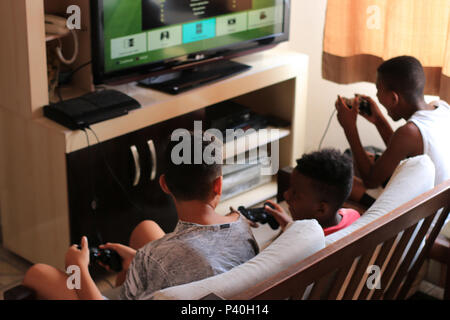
410 179
300 240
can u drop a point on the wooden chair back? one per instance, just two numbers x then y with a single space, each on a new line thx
391 249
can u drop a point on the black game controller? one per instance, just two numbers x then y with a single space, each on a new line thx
260 215
364 105
106 256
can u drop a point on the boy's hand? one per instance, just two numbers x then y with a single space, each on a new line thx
78 257
126 253
347 116
376 114
251 223
279 214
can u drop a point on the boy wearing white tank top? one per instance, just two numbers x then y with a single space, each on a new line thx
400 84
434 127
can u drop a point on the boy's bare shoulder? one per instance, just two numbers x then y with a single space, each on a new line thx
408 137
408 131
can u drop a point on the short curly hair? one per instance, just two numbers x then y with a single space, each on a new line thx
332 174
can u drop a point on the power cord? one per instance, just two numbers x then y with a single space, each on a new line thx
79 68
58 92
75 50
94 203
112 173
67 77
326 129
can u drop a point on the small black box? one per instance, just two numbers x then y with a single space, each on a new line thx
81 112
226 115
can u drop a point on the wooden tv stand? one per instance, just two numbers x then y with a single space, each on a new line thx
34 151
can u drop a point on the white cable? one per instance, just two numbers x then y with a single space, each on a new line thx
75 49
326 130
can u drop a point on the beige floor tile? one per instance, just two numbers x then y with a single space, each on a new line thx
7 269
431 290
15 261
9 281
9 286
12 270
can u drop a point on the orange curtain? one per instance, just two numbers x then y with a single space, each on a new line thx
361 34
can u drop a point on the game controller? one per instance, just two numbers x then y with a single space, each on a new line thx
106 256
364 105
260 215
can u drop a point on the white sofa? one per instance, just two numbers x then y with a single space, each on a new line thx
413 177
300 240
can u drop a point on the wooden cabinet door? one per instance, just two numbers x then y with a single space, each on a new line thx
107 194
114 185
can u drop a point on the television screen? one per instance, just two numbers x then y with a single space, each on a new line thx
131 34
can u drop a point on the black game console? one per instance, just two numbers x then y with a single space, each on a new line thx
81 112
260 215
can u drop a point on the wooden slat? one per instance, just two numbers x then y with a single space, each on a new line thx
412 274
406 263
365 276
380 261
299 294
341 277
320 286
358 276
393 262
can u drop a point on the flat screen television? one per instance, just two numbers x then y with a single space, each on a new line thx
137 39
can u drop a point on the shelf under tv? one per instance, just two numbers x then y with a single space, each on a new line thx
254 140
249 198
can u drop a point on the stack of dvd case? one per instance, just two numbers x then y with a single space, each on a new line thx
244 174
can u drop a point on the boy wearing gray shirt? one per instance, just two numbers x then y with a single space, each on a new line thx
203 243
192 252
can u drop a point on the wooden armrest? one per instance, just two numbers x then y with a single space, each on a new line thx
19 293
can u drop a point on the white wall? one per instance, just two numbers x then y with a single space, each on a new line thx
307 27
